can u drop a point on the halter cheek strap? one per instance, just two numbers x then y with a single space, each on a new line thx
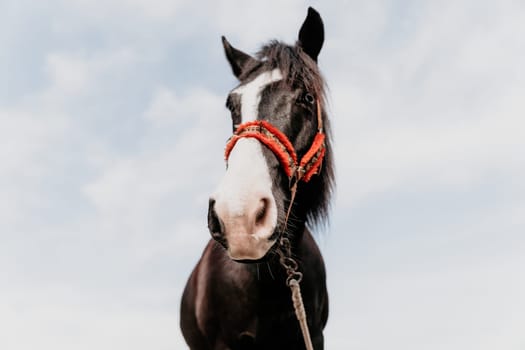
280 145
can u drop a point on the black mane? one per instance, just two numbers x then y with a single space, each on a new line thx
299 69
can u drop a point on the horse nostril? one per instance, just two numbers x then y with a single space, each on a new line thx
260 215
214 224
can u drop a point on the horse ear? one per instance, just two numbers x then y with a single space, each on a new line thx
237 59
311 35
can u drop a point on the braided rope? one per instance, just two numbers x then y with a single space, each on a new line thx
293 281
300 312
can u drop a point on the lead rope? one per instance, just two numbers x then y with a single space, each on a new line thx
293 281
285 257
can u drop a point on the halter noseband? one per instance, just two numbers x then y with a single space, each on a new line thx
283 149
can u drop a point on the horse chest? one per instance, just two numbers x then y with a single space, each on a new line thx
241 302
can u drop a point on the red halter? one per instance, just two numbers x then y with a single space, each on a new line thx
283 149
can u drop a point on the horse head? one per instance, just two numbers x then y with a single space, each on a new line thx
278 146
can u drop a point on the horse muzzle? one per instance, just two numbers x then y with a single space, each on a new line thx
247 231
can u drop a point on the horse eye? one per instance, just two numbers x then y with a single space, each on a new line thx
309 98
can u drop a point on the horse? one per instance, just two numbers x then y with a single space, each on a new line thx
277 187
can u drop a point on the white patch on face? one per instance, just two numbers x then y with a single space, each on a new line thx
251 93
247 184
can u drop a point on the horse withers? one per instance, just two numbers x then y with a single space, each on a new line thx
277 185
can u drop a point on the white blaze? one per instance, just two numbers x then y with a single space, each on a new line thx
251 93
247 183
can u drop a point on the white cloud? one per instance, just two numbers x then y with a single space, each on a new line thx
69 74
156 170
154 10
164 186
27 143
61 317
442 109
253 20
454 287
39 129
454 309
198 106
77 73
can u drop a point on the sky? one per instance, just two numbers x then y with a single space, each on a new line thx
112 129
